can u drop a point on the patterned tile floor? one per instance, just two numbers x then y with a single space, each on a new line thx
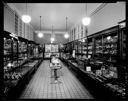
41 85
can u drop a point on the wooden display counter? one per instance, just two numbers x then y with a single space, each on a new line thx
14 86
98 83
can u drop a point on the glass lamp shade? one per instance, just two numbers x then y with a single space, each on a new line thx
40 35
66 35
26 18
83 40
86 21
52 39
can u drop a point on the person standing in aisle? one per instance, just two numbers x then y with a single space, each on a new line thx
51 65
55 65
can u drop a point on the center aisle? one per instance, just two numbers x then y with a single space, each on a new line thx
40 86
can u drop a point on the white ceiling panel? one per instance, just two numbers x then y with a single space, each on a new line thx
55 13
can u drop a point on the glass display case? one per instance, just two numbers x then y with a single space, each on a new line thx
106 62
110 47
8 58
10 52
11 63
22 50
122 31
84 47
123 71
107 45
98 47
90 48
15 56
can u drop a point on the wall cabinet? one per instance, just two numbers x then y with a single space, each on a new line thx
104 54
17 52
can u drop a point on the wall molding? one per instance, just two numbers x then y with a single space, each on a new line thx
98 9
14 9
50 32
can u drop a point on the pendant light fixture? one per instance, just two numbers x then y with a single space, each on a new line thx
26 18
66 35
40 34
86 20
52 36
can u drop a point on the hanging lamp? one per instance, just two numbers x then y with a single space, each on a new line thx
86 20
66 35
52 37
40 34
26 18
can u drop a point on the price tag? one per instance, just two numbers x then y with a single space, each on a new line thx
88 68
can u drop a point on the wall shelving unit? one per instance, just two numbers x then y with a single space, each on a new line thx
19 62
106 52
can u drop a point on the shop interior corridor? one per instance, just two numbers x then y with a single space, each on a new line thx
41 86
89 39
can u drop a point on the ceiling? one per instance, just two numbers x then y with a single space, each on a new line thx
55 14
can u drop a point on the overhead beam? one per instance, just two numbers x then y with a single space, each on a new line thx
50 32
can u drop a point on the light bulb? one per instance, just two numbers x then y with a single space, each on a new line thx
40 35
66 35
26 18
86 21
52 39
109 37
9 64
83 40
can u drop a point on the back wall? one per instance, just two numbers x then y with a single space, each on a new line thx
59 38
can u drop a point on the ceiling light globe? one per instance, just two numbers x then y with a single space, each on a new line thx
86 21
66 35
26 18
40 35
52 39
83 40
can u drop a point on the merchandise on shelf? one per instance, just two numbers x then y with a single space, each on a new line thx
104 53
16 54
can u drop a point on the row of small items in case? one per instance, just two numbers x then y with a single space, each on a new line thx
13 76
9 66
110 39
117 88
110 46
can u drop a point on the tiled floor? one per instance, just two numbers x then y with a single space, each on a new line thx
41 86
